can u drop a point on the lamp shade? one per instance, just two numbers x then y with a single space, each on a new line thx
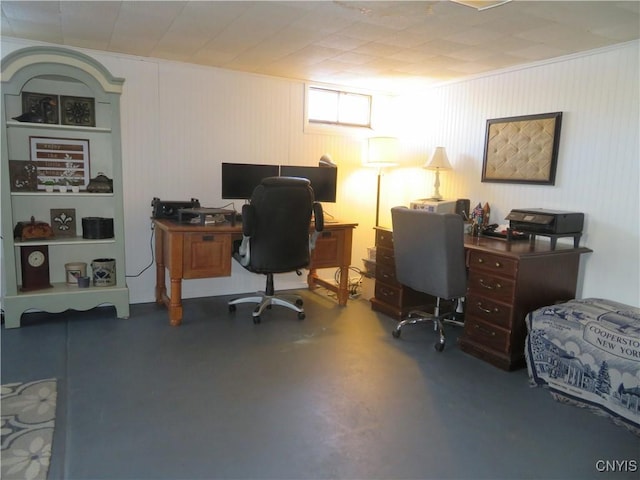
439 160
326 161
382 152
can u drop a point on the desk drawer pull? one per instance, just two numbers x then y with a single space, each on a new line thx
208 238
486 310
326 234
498 264
497 285
485 331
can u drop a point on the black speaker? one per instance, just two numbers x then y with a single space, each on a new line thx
462 208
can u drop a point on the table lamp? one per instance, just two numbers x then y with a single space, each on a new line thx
439 161
381 152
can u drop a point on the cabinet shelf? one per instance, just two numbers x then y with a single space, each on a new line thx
54 126
42 193
58 288
63 241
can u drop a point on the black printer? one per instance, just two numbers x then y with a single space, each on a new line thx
169 208
540 221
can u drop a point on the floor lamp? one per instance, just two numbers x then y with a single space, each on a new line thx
381 152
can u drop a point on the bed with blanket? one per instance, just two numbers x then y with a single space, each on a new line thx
587 353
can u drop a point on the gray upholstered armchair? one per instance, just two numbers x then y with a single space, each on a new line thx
429 257
276 227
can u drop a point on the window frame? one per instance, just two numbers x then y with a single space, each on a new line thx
311 126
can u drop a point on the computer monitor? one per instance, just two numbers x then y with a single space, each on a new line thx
239 179
323 180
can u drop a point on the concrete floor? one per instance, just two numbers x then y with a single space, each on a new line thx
332 396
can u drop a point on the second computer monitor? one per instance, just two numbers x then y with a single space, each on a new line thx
323 180
239 179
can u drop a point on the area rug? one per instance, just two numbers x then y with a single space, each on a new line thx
28 418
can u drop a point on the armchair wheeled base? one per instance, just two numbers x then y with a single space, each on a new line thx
267 299
419 316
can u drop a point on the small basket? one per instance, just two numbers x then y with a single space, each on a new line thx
97 227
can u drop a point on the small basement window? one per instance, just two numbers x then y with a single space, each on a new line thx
326 106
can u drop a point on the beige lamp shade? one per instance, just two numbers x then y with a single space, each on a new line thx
439 161
382 152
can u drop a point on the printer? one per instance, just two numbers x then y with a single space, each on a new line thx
169 208
545 222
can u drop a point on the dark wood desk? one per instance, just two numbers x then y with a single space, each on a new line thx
196 251
506 281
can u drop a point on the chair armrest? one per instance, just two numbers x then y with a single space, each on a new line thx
248 219
318 216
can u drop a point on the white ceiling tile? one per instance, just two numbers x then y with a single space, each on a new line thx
538 52
341 41
474 35
374 41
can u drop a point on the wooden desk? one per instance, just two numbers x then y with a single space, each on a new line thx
506 281
196 251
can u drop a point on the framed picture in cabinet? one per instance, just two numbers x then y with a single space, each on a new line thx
63 222
80 111
522 149
43 106
63 161
23 176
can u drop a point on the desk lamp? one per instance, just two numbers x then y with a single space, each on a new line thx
439 161
326 161
381 152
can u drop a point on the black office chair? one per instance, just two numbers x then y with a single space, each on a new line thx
429 257
276 237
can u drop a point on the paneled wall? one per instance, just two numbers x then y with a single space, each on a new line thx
181 121
598 162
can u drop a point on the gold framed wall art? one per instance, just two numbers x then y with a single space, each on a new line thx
522 149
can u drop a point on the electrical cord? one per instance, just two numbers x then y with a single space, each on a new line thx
353 283
153 231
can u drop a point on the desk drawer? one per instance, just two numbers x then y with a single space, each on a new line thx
329 249
486 334
492 286
385 256
384 238
388 294
494 263
206 255
486 309
403 298
386 274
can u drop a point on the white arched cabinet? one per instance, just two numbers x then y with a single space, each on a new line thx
61 74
